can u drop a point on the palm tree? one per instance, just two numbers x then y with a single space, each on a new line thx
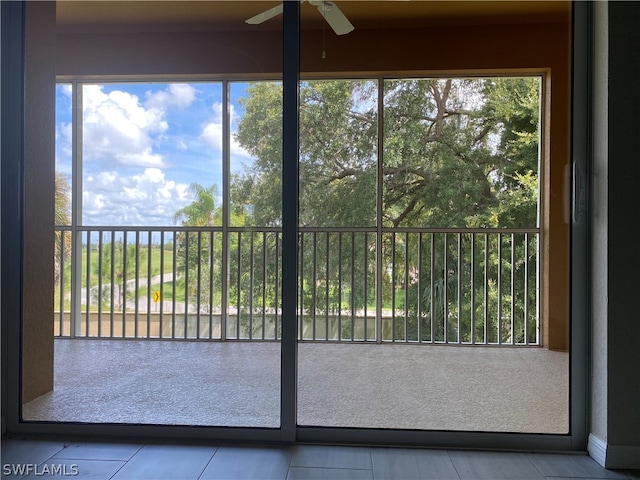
62 203
202 212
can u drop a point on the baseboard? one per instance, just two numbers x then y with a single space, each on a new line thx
597 449
613 456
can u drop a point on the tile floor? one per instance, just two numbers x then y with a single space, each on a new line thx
126 461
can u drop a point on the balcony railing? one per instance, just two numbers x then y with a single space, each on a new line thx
455 286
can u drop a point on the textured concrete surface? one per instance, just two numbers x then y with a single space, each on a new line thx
434 387
350 385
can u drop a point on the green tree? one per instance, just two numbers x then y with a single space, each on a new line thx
202 212
338 135
116 267
456 153
258 133
198 252
62 212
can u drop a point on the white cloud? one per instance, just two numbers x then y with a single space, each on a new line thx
212 132
63 143
212 135
146 198
179 95
117 129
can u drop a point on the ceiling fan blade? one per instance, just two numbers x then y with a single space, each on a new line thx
266 15
335 18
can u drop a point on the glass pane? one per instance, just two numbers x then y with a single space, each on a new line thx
461 152
168 258
62 248
256 154
338 151
423 231
151 154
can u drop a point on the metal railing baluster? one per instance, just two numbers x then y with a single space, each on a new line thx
526 289
314 285
445 290
277 286
239 285
87 285
125 248
175 282
327 275
365 286
393 287
513 289
419 295
149 280
198 283
111 288
459 289
61 276
161 299
353 285
486 289
432 284
116 258
406 286
186 285
264 284
499 289
136 284
472 338
210 250
339 286
301 306
99 293
251 278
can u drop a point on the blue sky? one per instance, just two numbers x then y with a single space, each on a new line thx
143 146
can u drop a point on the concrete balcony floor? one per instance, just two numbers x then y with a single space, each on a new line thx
431 387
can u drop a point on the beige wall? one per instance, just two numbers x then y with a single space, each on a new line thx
39 167
614 438
599 224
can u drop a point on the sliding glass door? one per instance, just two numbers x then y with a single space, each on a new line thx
421 294
359 228
167 295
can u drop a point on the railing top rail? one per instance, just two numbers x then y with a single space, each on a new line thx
480 230
459 230
336 229
504 230
156 229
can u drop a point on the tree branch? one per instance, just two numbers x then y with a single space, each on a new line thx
346 172
408 209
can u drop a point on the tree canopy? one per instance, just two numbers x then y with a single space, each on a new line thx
455 152
428 152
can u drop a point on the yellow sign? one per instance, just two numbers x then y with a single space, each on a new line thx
156 296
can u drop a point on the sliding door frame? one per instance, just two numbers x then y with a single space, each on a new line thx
12 218
290 123
289 431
